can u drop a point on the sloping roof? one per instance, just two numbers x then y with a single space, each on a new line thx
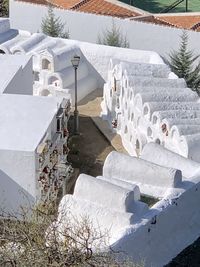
100 7
184 21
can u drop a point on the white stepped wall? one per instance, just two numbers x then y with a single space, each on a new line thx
143 109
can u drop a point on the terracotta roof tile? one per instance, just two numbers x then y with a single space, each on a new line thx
101 7
182 21
104 8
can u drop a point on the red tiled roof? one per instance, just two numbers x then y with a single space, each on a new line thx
182 21
103 7
100 7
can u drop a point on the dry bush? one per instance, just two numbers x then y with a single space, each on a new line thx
37 240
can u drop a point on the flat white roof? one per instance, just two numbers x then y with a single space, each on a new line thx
24 120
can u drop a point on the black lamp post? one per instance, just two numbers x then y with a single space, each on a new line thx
75 62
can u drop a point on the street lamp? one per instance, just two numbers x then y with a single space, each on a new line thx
75 62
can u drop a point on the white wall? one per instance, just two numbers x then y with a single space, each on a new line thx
86 27
22 82
12 196
20 167
164 232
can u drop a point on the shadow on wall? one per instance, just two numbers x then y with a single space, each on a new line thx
12 195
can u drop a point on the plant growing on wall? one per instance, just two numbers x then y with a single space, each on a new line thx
53 26
113 37
182 63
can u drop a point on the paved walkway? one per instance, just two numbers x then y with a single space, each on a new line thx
90 106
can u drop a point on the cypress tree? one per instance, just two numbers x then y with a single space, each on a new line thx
182 63
113 37
53 26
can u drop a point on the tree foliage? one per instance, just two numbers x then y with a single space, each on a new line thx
113 37
4 8
53 26
183 64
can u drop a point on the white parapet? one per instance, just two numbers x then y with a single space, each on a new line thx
26 45
150 107
103 219
104 193
123 184
162 156
144 173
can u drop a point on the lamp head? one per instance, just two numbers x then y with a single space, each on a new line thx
75 61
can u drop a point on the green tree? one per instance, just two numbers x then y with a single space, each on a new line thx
183 64
113 37
4 8
53 26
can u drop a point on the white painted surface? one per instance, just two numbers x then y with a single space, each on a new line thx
20 128
12 195
110 222
147 236
157 38
150 105
170 159
144 173
17 75
19 166
171 225
104 193
123 184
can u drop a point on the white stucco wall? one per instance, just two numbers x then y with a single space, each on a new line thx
86 27
12 195
165 231
20 167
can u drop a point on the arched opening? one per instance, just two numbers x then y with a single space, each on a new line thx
118 103
132 116
45 92
54 81
155 119
17 52
131 137
157 141
129 113
149 131
122 91
137 147
131 95
2 52
115 85
145 111
46 64
126 129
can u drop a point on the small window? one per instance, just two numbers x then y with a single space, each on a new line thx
115 85
59 125
46 64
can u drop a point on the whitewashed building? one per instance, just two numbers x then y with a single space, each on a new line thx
33 147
